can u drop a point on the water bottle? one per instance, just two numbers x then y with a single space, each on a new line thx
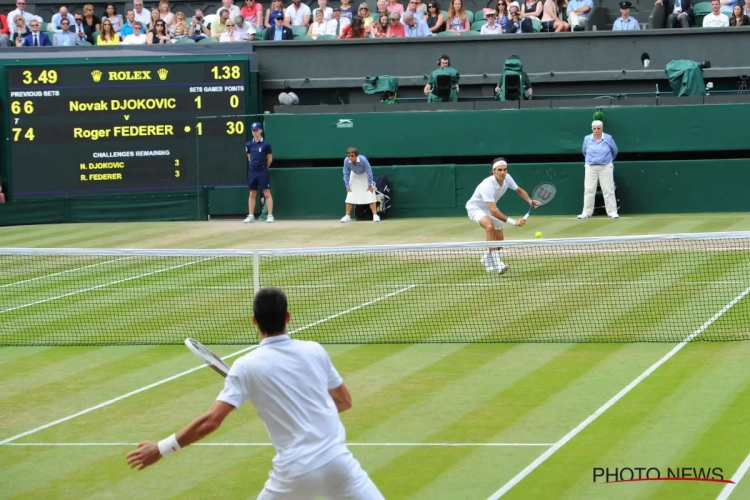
657 91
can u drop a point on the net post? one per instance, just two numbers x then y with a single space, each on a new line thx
256 271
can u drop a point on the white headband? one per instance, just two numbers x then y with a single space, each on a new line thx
498 163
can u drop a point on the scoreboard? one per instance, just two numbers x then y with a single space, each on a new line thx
98 128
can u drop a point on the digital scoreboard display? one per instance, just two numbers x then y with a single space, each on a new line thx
99 128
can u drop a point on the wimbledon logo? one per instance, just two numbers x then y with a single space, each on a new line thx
345 123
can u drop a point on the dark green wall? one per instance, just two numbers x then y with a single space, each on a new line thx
414 134
105 208
442 190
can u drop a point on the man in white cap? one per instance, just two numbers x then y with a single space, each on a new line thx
482 209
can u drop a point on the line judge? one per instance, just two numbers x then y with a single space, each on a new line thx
259 159
358 181
599 150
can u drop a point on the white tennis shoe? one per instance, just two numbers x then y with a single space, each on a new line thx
376 218
346 218
614 216
270 218
249 218
583 216
486 260
503 268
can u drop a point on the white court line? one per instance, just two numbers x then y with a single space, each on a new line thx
62 272
570 435
456 445
104 285
729 488
187 372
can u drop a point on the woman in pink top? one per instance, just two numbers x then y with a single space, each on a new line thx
253 13
394 6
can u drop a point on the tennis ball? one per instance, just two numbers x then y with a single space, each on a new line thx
538 234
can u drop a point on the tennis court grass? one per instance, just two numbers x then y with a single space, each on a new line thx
486 410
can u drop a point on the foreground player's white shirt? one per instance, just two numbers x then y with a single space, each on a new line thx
489 190
287 381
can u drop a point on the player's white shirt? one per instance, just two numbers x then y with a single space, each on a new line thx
287 381
489 191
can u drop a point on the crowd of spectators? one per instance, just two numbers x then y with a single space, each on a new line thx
389 19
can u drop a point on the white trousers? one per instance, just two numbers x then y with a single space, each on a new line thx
603 175
340 479
575 20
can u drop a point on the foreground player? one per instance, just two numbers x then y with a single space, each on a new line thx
482 209
298 394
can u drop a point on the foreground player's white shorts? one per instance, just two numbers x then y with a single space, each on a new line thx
476 215
340 479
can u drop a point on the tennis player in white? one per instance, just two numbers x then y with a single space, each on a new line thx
298 394
482 209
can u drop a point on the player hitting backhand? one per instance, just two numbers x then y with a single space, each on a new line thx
482 209
298 394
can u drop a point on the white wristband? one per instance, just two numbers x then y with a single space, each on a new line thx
511 221
169 445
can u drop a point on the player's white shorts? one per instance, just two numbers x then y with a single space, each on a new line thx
340 479
476 215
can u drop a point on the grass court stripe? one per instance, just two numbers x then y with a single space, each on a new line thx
573 433
187 372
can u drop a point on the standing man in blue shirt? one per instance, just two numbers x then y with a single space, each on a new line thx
358 180
259 158
625 22
600 150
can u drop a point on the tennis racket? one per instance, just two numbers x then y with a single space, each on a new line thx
211 359
543 193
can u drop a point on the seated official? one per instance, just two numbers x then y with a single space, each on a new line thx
137 38
108 36
443 83
492 27
65 37
625 22
35 38
516 23
278 31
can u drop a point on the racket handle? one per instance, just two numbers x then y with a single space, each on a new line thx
526 217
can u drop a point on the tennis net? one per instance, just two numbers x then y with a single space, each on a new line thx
664 288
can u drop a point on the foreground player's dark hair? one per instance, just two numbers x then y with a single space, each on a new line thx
269 308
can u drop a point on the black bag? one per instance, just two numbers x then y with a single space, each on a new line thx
382 203
443 86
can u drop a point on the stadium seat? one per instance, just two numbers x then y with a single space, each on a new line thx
658 18
208 40
701 10
96 36
536 24
477 25
184 40
299 31
327 37
445 16
260 33
479 15
303 37
470 15
446 33
599 17
469 33
85 42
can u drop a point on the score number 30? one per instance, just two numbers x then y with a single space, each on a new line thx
233 128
